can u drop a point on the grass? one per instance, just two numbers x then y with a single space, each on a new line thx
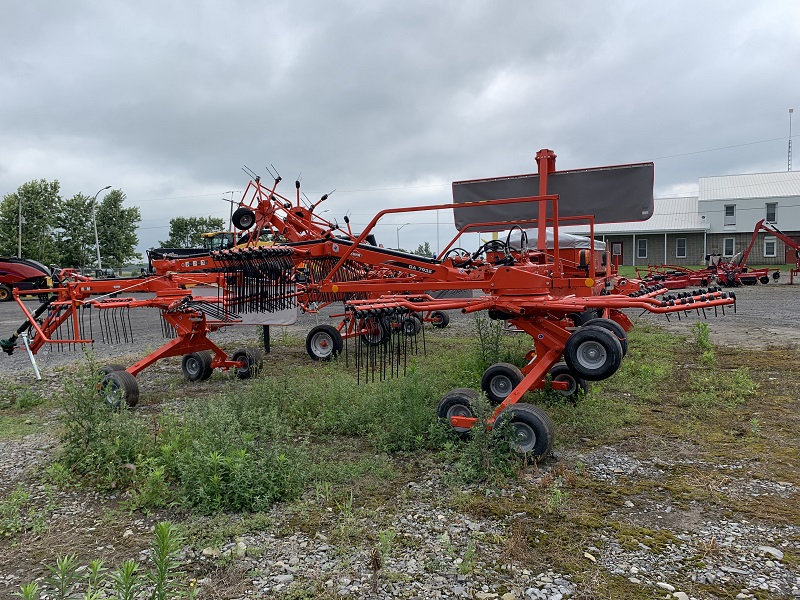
303 449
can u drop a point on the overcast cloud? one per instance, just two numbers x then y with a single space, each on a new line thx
167 100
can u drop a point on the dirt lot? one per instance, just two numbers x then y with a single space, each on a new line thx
674 506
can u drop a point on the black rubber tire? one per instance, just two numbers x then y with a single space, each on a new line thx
593 353
197 365
582 318
457 402
118 387
578 385
324 342
5 293
106 369
532 429
777 274
379 331
243 218
253 360
410 325
764 280
499 380
440 319
614 328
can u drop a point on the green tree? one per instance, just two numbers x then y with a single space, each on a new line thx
185 232
41 205
424 250
116 229
76 234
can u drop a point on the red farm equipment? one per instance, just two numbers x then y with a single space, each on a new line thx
539 290
792 244
534 289
23 275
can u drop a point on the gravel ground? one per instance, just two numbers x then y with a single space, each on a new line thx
428 556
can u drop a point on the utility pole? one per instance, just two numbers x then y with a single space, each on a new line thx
19 232
94 220
230 216
791 110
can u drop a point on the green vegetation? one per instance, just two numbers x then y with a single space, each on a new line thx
252 446
338 455
61 231
129 580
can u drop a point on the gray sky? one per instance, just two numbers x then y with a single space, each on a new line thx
388 102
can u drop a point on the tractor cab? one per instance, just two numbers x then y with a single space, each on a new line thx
218 240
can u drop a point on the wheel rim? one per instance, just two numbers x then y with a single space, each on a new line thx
592 355
374 332
246 222
322 344
500 386
113 395
572 385
524 436
458 410
193 366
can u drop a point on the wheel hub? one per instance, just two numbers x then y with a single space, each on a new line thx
592 355
501 386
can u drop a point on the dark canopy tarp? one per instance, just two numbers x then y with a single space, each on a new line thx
612 194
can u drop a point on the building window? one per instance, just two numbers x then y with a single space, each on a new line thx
770 246
730 214
641 248
616 248
728 247
772 212
680 248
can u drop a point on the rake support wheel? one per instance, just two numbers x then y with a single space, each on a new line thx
411 325
576 385
614 328
378 331
118 388
457 403
440 319
531 429
252 360
106 369
324 342
197 365
243 218
593 353
499 380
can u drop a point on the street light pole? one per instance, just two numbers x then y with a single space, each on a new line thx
94 221
398 234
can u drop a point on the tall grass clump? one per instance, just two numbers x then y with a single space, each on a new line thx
486 455
702 339
99 444
494 345
229 453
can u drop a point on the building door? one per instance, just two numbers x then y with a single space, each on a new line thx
791 253
616 253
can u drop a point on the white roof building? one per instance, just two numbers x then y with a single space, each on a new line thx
670 215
